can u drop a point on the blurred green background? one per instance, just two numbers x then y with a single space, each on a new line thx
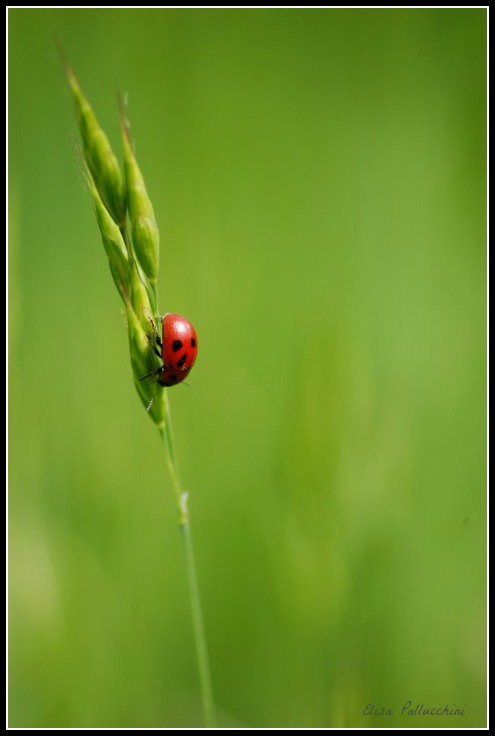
318 177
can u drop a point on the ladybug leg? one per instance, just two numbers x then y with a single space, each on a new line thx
154 348
157 336
152 373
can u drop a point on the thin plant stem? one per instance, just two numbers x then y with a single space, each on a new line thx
199 632
192 578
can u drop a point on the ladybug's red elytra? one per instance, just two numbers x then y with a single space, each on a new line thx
179 348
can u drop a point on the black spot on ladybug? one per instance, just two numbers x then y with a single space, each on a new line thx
181 362
193 342
176 345
173 379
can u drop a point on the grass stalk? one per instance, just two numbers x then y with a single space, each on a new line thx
192 578
199 631
132 243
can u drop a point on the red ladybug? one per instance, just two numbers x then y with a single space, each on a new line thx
179 348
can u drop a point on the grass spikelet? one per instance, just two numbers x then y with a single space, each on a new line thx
139 295
144 230
98 153
144 361
112 241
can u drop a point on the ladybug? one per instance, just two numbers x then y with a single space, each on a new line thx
179 348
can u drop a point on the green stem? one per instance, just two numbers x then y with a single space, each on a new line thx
192 579
199 631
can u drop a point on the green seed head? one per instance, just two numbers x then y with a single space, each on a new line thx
98 153
130 237
140 300
112 241
145 235
144 361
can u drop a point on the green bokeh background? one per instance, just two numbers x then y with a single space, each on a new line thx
319 181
